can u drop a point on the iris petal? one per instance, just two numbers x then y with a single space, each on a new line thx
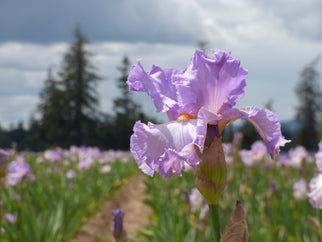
215 84
268 127
158 84
265 122
164 148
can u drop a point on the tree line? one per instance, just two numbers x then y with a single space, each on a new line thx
69 115
68 108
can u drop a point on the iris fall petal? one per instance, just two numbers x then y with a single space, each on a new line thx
164 148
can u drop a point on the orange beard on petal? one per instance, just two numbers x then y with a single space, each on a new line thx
184 117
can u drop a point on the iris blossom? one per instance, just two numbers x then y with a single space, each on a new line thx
203 94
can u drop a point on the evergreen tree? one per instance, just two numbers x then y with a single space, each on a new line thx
203 45
79 82
308 92
127 111
320 127
53 110
124 105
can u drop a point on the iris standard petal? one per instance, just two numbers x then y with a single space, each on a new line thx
164 148
215 84
158 84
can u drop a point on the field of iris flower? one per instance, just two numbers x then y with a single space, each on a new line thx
49 196
282 198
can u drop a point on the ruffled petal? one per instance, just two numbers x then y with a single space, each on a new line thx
265 122
158 84
164 148
268 127
215 84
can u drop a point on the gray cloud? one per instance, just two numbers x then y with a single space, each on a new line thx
122 20
272 41
301 18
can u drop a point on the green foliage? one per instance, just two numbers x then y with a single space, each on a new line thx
272 212
53 207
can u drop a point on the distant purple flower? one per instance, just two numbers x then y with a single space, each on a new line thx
315 193
297 156
18 169
255 155
282 161
318 157
204 93
300 189
238 137
17 197
196 200
4 157
117 218
186 198
52 155
229 152
105 169
204 213
11 218
70 174
85 164
40 160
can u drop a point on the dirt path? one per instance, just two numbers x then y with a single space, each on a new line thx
129 198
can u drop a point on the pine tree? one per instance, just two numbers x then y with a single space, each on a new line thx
127 111
125 105
309 94
319 128
52 108
79 81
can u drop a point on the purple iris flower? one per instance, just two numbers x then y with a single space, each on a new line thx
117 218
11 218
204 93
18 169
318 157
255 155
315 194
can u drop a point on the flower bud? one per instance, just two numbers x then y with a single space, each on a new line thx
236 228
211 172
117 229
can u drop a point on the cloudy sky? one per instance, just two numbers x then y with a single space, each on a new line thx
273 39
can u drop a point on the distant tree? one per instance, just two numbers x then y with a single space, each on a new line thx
309 95
125 105
319 128
250 135
53 110
79 81
203 45
127 111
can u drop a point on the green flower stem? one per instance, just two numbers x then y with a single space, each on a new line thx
215 221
